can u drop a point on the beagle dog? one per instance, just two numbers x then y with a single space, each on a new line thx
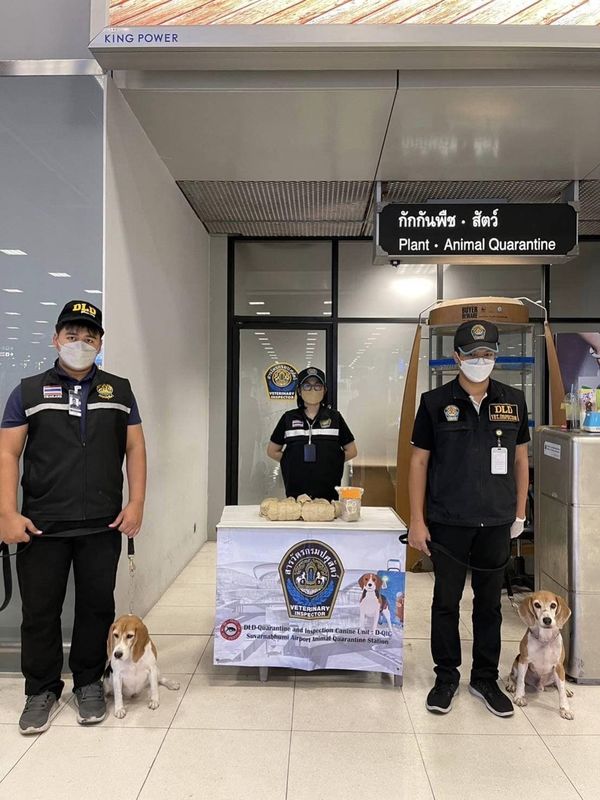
132 663
372 603
541 654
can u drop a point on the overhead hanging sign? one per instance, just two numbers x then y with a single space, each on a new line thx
471 233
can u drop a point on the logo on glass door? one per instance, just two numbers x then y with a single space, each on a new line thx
282 380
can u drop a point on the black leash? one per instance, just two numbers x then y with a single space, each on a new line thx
439 548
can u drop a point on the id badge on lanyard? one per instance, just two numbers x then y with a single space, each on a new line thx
75 401
499 460
310 449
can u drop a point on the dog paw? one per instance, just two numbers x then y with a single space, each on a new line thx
520 701
153 704
570 692
566 713
173 685
120 713
510 686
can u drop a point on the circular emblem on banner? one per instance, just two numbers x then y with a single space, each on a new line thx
230 629
478 332
311 573
105 391
281 381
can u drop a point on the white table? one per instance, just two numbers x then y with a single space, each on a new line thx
292 594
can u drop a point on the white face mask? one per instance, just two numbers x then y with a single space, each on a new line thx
77 355
477 370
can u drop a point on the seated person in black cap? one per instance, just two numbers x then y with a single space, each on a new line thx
468 482
313 442
76 425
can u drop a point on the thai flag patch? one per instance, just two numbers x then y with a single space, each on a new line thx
53 392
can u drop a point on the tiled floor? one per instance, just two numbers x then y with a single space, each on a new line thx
302 736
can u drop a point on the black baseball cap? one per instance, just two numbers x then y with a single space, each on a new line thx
476 334
82 313
311 372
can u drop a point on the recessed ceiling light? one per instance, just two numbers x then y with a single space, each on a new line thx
34 342
13 291
13 338
256 302
13 313
327 313
41 321
47 303
59 274
263 313
259 333
13 252
327 302
37 333
93 291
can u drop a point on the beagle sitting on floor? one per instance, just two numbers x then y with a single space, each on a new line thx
541 654
132 663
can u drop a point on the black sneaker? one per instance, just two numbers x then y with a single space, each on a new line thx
90 702
439 699
38 712
493 697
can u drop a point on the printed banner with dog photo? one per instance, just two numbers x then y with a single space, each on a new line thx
315 600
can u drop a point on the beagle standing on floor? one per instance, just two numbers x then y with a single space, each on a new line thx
540 662
132 663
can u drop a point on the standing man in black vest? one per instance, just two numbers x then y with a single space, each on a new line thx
468 482
76 424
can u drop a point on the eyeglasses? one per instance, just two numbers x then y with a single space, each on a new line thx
310 387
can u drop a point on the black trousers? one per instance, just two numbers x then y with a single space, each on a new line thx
43 570
482 547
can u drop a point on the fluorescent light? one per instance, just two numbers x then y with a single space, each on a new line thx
256 302
34 342
13 252
259 333
13 338
37 333
41 321
13 291
93 291
313 333
13 313
327 302
327 313
59 274
47 303
12 328
263 313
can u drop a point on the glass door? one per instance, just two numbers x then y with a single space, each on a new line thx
265 354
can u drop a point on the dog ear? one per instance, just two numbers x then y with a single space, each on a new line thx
563 613
139 643
109 641
362 580
378 582
525 611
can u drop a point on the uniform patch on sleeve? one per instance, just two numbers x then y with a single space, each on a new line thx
504 412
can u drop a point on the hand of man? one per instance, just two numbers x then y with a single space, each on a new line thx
517 528
14 528
129 520
418 536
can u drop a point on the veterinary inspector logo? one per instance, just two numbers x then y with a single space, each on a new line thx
311 574
282 380
504 412
105 391
230 629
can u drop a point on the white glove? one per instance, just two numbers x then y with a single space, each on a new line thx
517 528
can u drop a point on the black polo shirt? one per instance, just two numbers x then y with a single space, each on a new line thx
461 489
330 434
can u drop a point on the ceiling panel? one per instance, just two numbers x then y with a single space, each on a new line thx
274 126
524 127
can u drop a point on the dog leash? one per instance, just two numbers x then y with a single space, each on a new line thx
5 555
130 558
439 548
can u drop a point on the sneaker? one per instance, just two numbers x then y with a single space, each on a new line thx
90 702
38 712
493 697
439 699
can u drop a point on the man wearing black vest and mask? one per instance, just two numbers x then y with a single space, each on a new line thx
76 424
